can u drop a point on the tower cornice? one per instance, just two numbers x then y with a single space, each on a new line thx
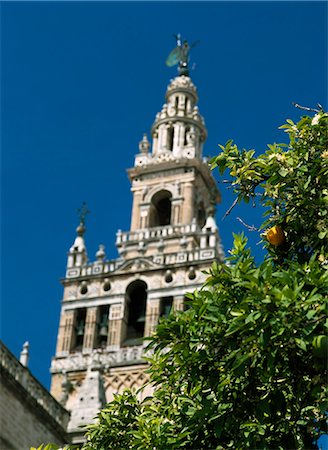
161 167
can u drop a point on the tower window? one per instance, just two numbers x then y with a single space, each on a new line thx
103 326
79 328
165 306
160 210
201 216
170 138
136 298
187 130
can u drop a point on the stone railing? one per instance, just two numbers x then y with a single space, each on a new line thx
192 256
13 369
99 359
94 268
156 233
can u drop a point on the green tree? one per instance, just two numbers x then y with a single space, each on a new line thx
245 365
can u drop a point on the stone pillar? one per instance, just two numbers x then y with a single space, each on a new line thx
182 135
176 149
176 212
152 316
144 216
187 211
90 330
66 332
135 216
178 303
115 325
162 137
212 240
155 143
70 261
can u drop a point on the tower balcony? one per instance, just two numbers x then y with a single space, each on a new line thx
156 233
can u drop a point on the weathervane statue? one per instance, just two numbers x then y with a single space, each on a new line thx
180 55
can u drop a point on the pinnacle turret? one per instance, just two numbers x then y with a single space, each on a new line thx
179 130
77 255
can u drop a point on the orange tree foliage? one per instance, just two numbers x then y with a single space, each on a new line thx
245 367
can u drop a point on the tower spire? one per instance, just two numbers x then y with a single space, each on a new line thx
77 255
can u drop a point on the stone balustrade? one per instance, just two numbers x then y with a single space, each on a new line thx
123 237
191 256
99 358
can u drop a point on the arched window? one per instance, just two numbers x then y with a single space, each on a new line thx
165 306
176 103
102 325
136 298
160 209
80 318
187 130
201 216
170 138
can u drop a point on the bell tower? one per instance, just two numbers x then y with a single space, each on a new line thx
109 306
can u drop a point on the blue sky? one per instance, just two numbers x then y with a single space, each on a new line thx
80 84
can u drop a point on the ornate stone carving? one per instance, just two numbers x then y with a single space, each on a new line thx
183 82
97 359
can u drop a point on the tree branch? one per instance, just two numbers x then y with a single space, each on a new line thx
305 108
231 208
249 227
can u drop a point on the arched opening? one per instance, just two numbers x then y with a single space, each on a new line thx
103 315
176 103
136 298
165 306
170 138
80 318
201 215
187 130
160 209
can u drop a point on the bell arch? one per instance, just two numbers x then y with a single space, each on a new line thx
136 300
160 209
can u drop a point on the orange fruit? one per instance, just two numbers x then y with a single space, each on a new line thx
275 235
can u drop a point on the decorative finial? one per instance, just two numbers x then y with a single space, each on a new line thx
24 356
82 212
180 55
144 144
100 255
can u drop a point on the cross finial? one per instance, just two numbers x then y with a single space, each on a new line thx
82 212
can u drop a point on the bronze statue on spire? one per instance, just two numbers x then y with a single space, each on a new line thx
180 55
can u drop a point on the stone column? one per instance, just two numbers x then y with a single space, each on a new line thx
116 326
178 303
187 211
152 316
176 149
176 212
155 143
66 332
135 216
162 137
182 131
90 330
144 216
